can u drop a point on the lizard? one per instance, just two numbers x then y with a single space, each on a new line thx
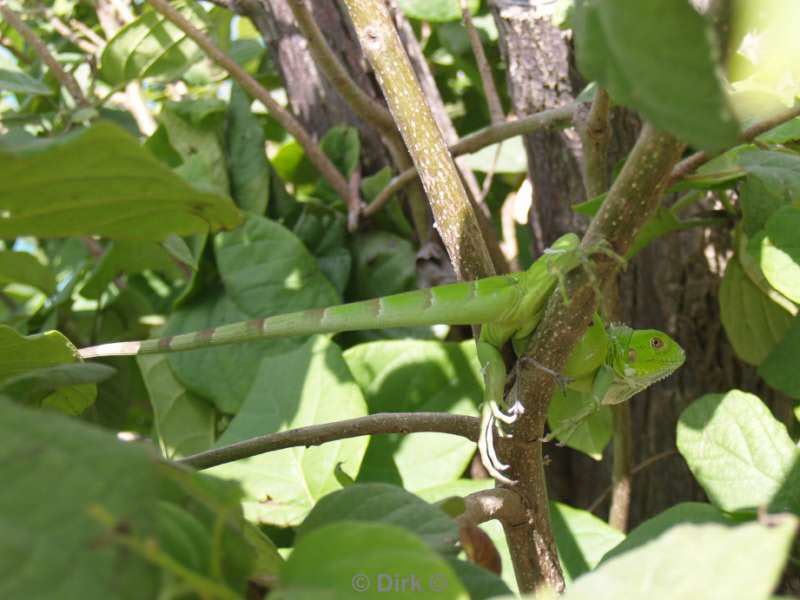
508 307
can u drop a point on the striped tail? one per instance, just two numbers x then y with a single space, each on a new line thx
466 303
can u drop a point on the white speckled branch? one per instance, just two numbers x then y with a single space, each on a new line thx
455 219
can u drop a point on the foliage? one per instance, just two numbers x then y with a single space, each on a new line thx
113 234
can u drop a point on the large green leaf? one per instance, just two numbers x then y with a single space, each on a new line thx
150 46
185 424
55 472
709 561
412 376
754 323
354 559
383 503
680 514
100 181
780 368
308 386
266 271
656 57
736 449
21 267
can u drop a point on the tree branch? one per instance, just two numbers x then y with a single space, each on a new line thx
326 168
455 219
498 503
313 435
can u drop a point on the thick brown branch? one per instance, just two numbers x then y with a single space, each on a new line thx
313 435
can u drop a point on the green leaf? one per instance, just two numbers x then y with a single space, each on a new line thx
779 171
736 449
754 323
511 158
341 144
780 370
696 561
680 514
100 181
18 82
437 11
192 130
266 271
249 172
369 558
21 267
70 381
388 504
128 257
464 487
783 133
592 435
55 549
780 252
23 354
656 57
480 583
151 46
308 386
582 539
323 230
413 376
185 424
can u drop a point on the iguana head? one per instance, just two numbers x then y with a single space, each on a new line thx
643 356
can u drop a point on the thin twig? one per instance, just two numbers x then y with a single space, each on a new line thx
485 71
640 467
314 435
326 168
556 117
87 32
66 79
61 27
690 163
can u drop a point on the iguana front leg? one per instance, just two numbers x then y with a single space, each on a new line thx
494 377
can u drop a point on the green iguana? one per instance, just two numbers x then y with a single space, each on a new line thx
509 307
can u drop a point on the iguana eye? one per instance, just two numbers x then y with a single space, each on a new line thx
631 355
657 343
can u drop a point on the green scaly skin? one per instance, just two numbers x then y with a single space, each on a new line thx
508 306
636 359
